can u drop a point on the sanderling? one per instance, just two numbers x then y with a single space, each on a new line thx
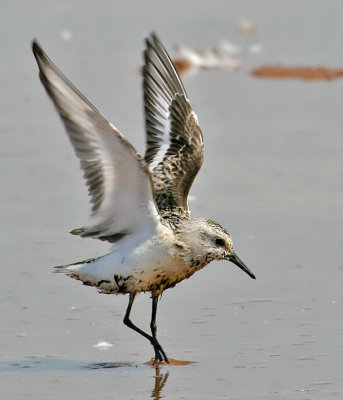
140 204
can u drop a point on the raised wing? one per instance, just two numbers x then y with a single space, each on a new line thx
174 140
119 184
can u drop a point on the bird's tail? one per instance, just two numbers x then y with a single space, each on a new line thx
89 275
70 269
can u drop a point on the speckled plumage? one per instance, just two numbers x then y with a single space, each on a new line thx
171 122
140 205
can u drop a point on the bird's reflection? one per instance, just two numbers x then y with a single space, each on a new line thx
160 381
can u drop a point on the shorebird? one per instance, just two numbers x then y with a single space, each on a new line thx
140 204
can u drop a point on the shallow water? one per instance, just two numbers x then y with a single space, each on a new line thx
272 176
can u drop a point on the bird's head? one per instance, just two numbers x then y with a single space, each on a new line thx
210 240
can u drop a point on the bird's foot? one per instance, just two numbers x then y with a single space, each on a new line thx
160 355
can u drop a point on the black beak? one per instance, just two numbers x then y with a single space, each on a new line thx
236 260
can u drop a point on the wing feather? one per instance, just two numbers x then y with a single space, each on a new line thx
119 184
174 140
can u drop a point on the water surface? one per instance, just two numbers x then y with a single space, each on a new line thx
272 176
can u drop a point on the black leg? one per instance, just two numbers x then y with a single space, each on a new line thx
153 327
159 353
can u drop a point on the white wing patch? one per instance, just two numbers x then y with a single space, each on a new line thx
164 144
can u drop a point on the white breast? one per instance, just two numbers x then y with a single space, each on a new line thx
135 267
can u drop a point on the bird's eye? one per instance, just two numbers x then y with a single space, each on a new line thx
220 242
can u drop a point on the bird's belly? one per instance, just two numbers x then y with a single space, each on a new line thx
136 272
156 277
153 266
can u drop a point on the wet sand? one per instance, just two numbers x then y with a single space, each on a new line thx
289 72
272 176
